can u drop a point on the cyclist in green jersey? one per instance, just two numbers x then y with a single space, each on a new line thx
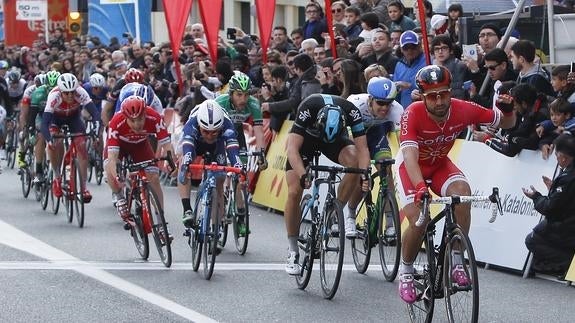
242 108
37 104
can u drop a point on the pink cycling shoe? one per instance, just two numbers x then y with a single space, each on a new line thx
407 289
460 276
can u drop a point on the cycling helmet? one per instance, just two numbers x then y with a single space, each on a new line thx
97 80
67 82
210 115
240 82
146 92
382 88
14 77
52 78
4 65
133 106
134 75
40 79
432 77
330 122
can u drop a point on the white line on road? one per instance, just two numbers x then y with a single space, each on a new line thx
12 237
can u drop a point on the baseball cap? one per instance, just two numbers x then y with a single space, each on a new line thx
408 37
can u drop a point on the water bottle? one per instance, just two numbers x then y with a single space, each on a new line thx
68 171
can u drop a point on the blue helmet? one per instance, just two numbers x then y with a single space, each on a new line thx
146 92
382 88
330 122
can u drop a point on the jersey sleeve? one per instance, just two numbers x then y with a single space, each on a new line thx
408 130
478 114
52 101
112 141
160 127
231 142
304 118
83 96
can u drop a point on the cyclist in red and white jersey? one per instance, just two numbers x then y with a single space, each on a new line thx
428 131
63 106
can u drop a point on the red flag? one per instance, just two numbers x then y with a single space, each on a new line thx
211 13
421 9
329 21
265 10
177 12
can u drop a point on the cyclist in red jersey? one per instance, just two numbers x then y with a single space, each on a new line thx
428 131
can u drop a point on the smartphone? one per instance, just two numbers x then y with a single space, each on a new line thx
467 85
231 33
572 67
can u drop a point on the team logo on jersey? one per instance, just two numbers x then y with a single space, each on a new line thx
304 115
355 114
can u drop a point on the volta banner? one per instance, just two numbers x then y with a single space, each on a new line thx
24 23
177 12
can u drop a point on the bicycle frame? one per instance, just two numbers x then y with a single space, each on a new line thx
138 181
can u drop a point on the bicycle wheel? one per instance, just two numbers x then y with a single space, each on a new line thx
389 237
361 245
11 145
229 210
54 201
210 241
241 238
78 199
137 230
422 309
162 236
99 168
26 180
461 300
45 191
90 148
332 249
306 242
195 238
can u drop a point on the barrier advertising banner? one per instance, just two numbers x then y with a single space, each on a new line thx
25 23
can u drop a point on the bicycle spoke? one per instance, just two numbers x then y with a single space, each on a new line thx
332 249
389 237
306 243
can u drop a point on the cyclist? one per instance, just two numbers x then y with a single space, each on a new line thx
242 108
320 125
34 119
132 75
142 90
428 131
39 80
63 106
2 118
16 87
128 136
208 130
381 114
98 90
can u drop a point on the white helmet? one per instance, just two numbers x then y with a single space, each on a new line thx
97 80
210 115
67 82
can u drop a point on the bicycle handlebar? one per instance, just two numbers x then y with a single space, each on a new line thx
448 200
134 167
215 168
261 154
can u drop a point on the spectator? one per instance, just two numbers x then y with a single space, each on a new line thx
292 77
351 78
552 241
280 40
362 5
58 39
428 14
353 19
319 54
560 121
394 36
522 56
297 37
499 69
87 68
380 9
532 110
315 24
136 54
338 12
308 46
382 51
454 12
399 20
411 61
326 77
443 55
374 70
278 92
489 36
369 22
560 85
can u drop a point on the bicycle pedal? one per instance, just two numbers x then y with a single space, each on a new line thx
127 226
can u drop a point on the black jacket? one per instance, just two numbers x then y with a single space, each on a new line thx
559 204
305 86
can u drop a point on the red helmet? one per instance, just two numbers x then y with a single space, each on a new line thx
432 77
133 106
134 75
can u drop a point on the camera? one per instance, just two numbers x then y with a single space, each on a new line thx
126 35
231 33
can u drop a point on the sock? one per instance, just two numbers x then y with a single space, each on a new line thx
406 267
293 247
186 204
456 257
352 212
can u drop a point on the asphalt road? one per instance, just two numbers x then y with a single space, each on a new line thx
53 271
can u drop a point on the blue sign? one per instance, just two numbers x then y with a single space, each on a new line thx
114 20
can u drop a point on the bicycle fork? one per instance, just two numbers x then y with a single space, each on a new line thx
145 210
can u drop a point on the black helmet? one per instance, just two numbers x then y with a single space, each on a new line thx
432 77
330 122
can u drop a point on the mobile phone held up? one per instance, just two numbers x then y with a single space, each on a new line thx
231 33
572 67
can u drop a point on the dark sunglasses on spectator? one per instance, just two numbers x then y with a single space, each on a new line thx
493 67
336 10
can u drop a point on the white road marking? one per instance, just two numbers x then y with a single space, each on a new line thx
12 237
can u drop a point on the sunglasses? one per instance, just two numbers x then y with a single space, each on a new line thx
68 92
433 96
383 102
493 67
209 132
336 10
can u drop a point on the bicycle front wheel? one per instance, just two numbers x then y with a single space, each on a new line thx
211 235
137 230
389 237
241 223
332 248
361 245
162 236
461 289
26 181
11 145
306 242
195 237
424 277
54 201
78 201
45 191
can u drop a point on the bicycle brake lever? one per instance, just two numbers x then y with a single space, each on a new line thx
424 210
